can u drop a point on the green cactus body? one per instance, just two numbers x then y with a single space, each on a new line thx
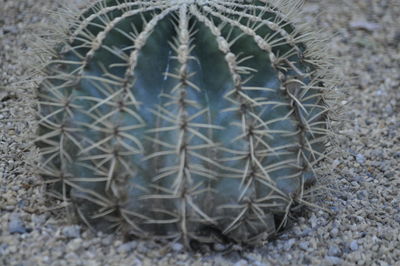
165 118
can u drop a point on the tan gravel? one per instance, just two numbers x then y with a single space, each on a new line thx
363 183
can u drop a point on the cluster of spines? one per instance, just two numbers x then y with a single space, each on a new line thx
254 129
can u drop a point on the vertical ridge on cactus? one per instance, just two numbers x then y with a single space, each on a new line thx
169 118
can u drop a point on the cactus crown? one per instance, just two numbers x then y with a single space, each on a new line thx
173 118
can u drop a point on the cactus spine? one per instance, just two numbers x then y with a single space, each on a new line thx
172 118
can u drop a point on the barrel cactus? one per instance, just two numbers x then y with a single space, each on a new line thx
178 118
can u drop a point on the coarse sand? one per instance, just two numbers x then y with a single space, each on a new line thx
362 187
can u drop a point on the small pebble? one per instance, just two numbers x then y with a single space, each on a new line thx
219 247
127 247
313 220
72 257
360 158
334 232
16 225
3 248
288 244
74 244
333 250
106 241
397 218
10 29
354 245
364 25
72 231
307 231
363 194
241 262
303 245
177 247
333 260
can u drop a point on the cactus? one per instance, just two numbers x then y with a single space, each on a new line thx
178 118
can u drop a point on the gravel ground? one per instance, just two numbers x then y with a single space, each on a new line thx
363 185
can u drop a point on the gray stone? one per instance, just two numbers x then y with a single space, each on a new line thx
397 218
306 232
9 29
177 246
360 158
72 257
333 260
39 220
288 244
303 245
358 178
72 231
334 250
241 262
106 241
335 209
16 225
219 247
334 232
127 247
354 245
3 248
364 25
74 245
363 194
313 220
